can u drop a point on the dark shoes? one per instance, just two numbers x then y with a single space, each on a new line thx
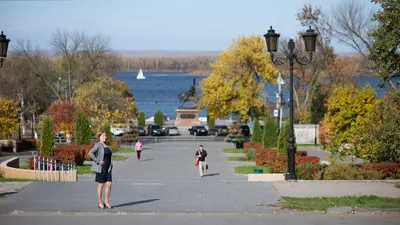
107 205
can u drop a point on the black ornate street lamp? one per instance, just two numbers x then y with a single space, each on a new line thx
310 38
3 47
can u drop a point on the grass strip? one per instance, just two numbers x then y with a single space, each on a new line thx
323 203
250 169
119 157
233 150
123 150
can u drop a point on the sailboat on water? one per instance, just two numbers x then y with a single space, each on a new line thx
140 75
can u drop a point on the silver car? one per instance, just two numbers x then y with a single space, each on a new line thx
171 130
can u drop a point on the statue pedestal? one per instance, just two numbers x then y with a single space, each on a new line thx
187 117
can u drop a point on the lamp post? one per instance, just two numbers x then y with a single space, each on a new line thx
3 47
310 38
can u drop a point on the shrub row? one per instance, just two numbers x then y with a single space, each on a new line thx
309 171
248 145
264 153
279 163
26 144
389 170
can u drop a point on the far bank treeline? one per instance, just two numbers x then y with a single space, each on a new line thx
193 64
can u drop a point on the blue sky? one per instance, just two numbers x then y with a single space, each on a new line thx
206 25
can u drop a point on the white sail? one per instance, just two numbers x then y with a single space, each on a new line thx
140 75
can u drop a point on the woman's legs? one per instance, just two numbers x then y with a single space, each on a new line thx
99 194
138 154
108 192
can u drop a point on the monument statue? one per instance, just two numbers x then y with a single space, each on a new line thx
190 96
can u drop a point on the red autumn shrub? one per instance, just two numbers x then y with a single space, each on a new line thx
278 164
390 170
248 145
263 153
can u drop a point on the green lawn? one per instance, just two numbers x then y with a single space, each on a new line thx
123 150
250 169
84 169
233 150
323 203
119 157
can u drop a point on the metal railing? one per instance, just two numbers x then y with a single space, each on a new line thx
53 170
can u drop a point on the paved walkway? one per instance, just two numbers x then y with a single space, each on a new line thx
165 180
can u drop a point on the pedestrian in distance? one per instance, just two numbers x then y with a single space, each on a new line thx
201 156
138 148
101 155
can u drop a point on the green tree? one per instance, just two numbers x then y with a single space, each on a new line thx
142 119
270 133
47 137
82 130
237 79
257 132
210 121
283 139
106 128
159 118
385 50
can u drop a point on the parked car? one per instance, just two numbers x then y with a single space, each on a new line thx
171 130
219 130
245 129
141 131
155 130
117 131
198 130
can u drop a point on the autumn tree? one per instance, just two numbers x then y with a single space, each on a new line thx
63 116
237 79
46 137
210 122
106 100
105 127
8 116
348 109
385 50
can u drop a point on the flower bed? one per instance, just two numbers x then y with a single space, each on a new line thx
389 170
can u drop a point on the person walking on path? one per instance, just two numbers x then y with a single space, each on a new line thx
138 148
201 154
101 155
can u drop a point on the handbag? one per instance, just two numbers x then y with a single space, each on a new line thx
197 162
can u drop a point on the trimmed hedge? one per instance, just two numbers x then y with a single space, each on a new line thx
248 145
263 153
389 170
26 144
279 163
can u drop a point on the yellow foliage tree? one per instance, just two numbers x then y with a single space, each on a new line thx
237 79
8 116
106 100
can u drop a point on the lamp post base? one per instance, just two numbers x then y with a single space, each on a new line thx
290 176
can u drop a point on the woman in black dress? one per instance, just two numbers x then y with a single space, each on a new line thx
101 155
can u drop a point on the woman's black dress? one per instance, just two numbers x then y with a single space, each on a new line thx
105 176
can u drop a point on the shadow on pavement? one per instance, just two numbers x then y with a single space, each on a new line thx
211 175
136 203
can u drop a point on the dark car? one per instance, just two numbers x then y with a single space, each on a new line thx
219 130
245 129
155 130
141 131
198 130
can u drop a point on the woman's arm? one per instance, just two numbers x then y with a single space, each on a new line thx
93 151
